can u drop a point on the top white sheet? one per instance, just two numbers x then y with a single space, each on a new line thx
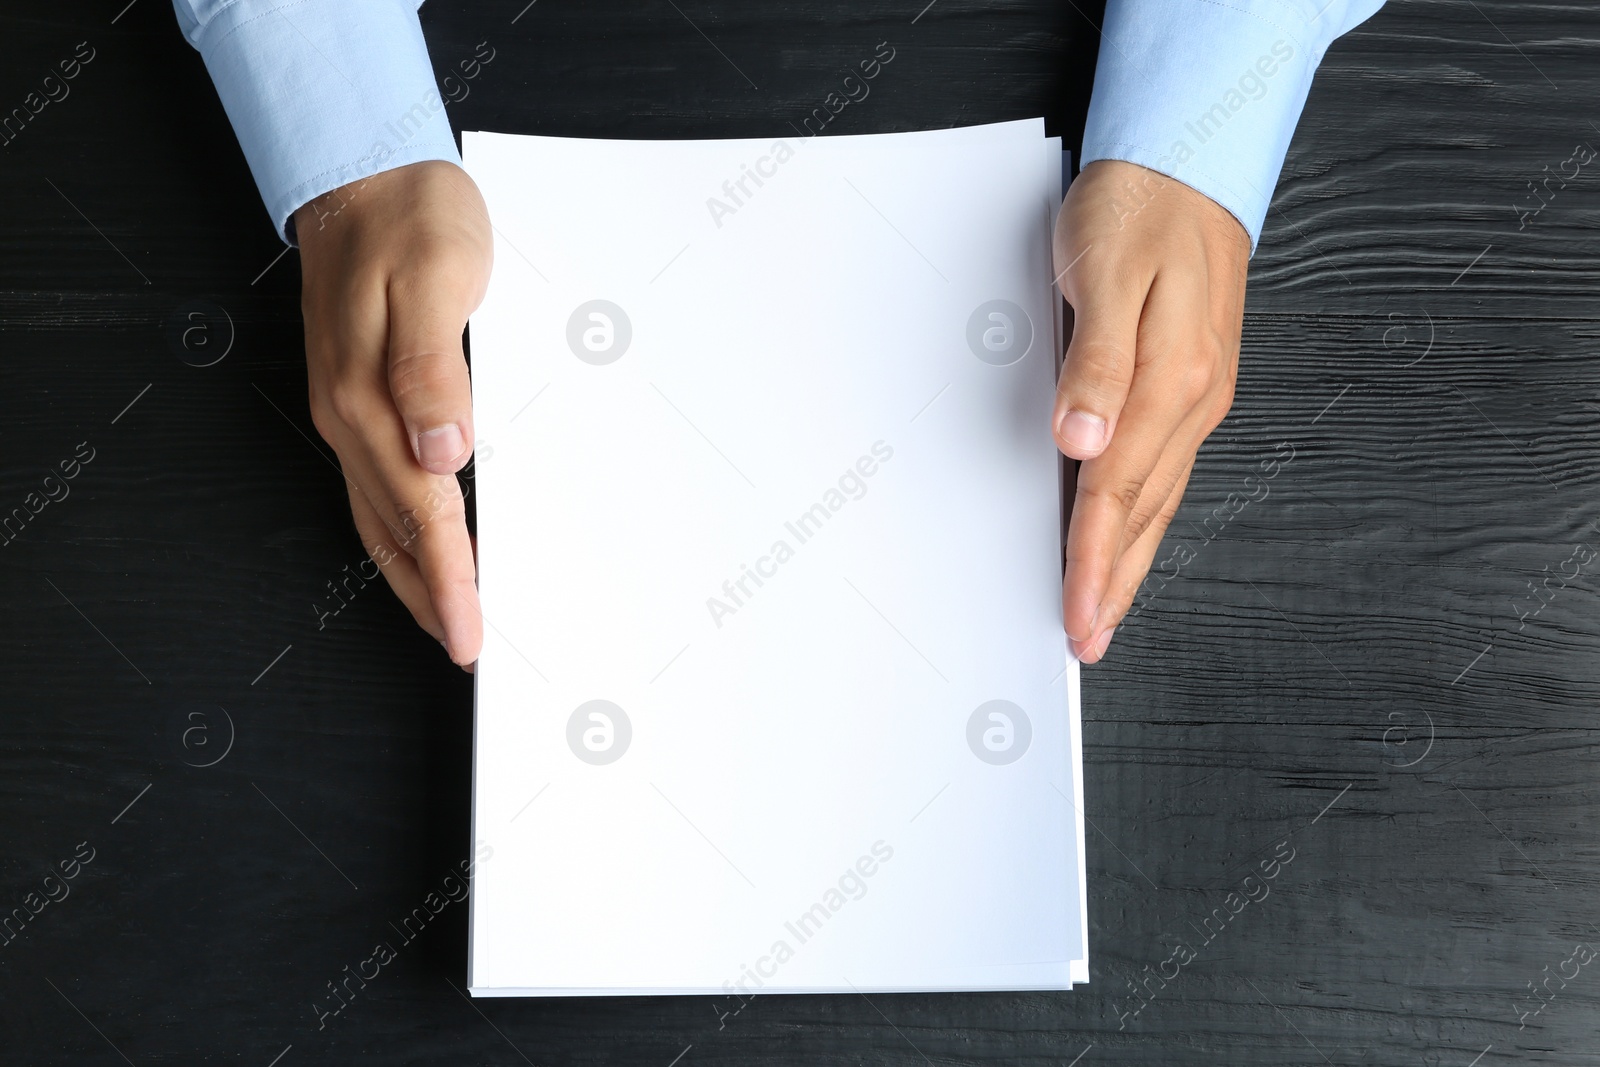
769 518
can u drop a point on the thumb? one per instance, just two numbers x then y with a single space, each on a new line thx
1098 369
428 372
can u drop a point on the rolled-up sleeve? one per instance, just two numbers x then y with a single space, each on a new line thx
321 93
1209 92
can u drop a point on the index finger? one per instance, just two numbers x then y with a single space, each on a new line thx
425 514
1111 504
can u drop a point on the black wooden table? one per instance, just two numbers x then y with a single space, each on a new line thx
213 801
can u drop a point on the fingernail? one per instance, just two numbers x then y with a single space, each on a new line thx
1083 431
1105 640
441 445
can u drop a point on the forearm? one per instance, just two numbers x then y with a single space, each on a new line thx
321 93
1209 92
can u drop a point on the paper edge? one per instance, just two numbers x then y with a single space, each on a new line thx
1078 969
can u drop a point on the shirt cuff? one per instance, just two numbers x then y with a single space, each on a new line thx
1204 92
322 93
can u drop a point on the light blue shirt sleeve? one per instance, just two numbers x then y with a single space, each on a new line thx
321 93
1208 92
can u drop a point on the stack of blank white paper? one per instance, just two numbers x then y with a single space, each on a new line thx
774 694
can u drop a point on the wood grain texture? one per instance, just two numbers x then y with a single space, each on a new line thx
1350 667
